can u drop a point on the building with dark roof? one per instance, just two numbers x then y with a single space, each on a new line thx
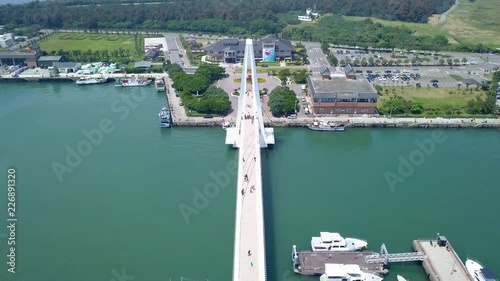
142 64
48 61
342 94
29 56
232 50
67 67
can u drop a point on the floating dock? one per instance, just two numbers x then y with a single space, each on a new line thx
313 263
442 262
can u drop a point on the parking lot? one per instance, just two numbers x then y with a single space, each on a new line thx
427 74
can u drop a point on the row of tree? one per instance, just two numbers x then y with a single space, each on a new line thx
197 91
238 17
371 61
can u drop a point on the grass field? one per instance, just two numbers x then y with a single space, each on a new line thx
432 97
419 28
83 42
260 80
475 22
456 77
470 23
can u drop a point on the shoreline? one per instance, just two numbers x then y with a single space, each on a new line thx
349 121
360 122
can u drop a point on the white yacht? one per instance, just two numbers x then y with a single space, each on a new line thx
347 272
333 242
401 278
91 80
478 272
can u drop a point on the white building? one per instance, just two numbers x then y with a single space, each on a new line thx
309 16
7 40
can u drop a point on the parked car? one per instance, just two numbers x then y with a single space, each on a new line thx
208 116
292 116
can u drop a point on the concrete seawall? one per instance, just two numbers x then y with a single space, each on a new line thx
364 123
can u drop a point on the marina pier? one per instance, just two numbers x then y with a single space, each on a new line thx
442 263
438 258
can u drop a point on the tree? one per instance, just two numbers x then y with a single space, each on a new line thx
300 76
396 105
464 60
211 71
283 75
214 100
282 101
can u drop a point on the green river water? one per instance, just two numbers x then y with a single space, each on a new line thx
115 208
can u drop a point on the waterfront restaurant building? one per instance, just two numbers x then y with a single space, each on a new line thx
232 50
342 94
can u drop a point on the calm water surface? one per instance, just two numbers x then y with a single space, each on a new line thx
115 208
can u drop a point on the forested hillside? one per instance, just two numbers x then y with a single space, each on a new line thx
235 16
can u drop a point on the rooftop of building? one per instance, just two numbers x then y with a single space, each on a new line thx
16 54
50 58
234 44
142 64
67 64
341 87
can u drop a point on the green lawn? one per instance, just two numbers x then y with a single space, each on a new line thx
419 28
476 22
470 23
456 77
433 97
270 69
260 80
83 42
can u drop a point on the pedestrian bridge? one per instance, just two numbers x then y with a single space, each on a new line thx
249 135
385 258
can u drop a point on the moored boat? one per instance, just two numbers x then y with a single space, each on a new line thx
401 278
226 125
333 242
347 272
478 272
91 80
165 118
319 125
160 84
132 82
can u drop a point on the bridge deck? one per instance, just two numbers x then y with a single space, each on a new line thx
249 263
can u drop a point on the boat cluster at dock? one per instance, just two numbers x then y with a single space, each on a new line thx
345 260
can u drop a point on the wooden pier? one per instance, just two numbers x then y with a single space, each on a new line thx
313 263
442 262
